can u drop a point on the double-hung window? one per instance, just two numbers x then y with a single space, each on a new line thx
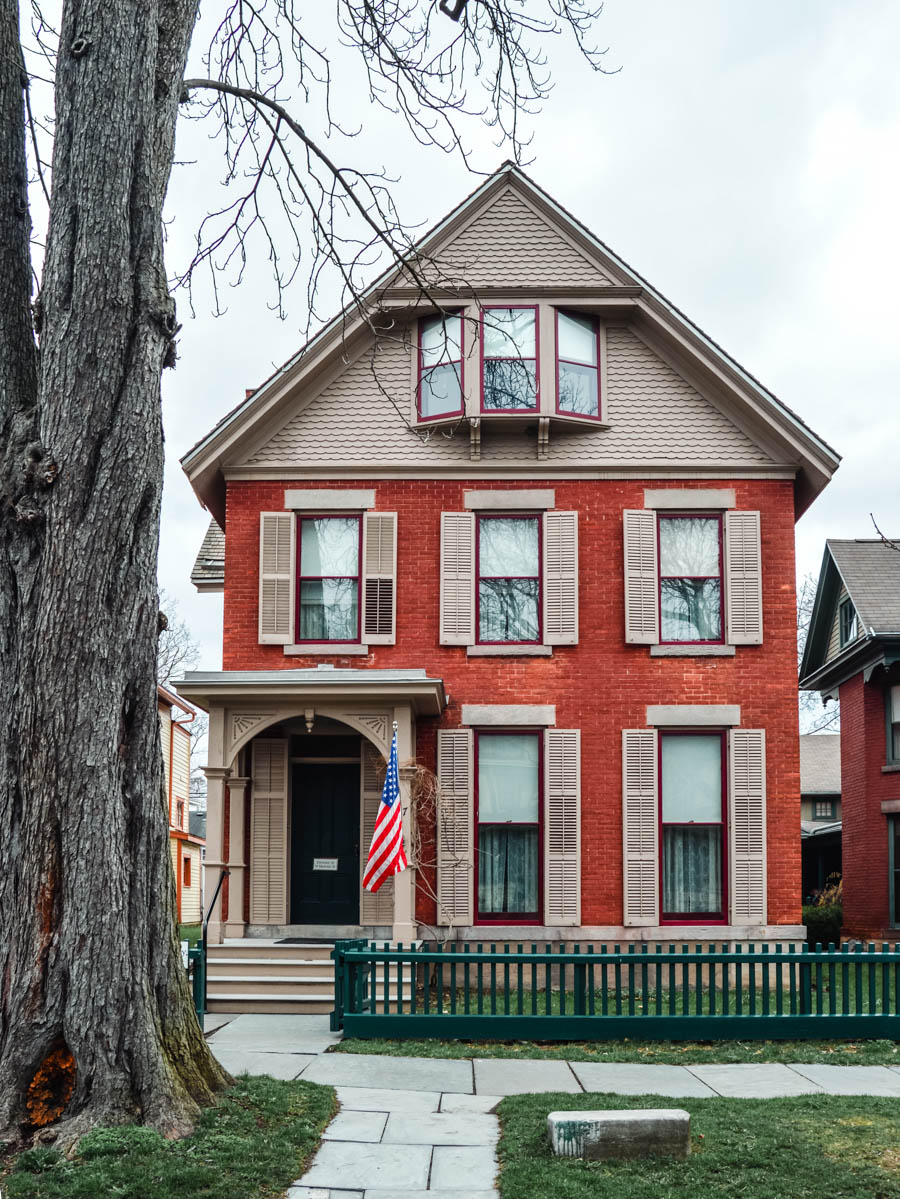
508 826
440 391
329 556
690 579
692 833
892 701
509 375
509 579
894 868
847 616
577 369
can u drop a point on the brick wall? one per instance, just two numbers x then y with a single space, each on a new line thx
600 686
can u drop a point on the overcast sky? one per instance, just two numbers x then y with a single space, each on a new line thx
745 160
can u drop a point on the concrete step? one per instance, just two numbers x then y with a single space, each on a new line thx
272 967
280 1005
265 949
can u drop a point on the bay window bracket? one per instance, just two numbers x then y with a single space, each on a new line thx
475 439
543 441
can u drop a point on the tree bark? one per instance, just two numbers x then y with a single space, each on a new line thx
88 952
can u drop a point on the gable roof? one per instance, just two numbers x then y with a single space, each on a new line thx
208 573
820 764
517 198
871 573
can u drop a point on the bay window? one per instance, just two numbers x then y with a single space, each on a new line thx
577 369
508 826
329 558
508 593
509 360
690 579
692 819
440 390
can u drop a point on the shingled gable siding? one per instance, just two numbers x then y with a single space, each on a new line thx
599 686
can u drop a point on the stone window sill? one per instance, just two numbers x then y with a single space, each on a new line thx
891 768
335 648
509 651
691 651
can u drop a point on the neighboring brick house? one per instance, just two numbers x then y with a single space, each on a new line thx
853 654
549 532
820 810
186 848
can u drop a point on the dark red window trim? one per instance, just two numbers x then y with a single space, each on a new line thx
693 515
571 362
460 362
539 576
301 578
524 918
186 870
535 411
696 917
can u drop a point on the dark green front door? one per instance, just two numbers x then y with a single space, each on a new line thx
325 843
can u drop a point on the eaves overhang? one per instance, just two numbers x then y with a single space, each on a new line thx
864 656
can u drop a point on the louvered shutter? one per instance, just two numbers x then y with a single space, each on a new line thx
457 578
377 907
562 826
454 832
560 578
379 577
640 827
268 832
743 579
276 583
641 577
747 825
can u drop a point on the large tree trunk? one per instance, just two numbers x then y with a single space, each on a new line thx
88 954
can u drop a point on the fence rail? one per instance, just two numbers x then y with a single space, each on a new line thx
460 990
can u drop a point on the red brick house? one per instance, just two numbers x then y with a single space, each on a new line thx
548 529
853 653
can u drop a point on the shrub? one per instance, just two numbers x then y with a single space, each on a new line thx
823 922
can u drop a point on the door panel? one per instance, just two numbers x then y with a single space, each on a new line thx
325 826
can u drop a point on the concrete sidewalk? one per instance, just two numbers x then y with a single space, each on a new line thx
425 1126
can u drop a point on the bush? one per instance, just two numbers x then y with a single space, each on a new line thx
823 922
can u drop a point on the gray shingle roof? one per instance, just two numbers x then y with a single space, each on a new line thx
820 764
871 571
209 567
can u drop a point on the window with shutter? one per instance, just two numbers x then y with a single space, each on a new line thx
276 561
379 577
268 832
508 827
640 839
457 578
743 579
692 826
454 831
641 577
375 907
562 826
560 583
747 825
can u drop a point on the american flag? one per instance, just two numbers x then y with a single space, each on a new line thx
386 854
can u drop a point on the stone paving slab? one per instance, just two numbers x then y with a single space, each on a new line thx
463 1170
634 1078
275 1034
345 1164
852 1080
442 1194
374 1099
356 1126
503 1076
330 1193
755 1080
391 1073
278 1065
469 1103
215 1021
466 1128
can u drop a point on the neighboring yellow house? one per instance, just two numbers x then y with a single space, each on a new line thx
185 849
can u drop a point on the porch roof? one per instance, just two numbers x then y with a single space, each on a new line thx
207 688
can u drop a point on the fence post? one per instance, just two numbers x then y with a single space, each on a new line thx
198 980
336 1020
805 982
580 971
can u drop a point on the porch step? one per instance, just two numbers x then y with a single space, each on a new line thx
281 1005
276 967
270 951
265 985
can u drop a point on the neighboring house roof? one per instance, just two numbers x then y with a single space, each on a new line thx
568 255
871 573
820 764
815 828
197 824
209 568
172 700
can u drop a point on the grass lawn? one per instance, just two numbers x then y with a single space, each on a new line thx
253 1145
678 1053
190 932
812 1146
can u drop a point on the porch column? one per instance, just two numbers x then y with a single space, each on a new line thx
405 928
235 925
215 845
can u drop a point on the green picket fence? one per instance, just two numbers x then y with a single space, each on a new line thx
574 992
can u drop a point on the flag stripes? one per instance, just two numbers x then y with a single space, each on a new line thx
387 855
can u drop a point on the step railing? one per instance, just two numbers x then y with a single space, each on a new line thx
576 992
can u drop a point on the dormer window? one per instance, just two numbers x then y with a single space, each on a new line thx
577 365
440 392
509 360
848 622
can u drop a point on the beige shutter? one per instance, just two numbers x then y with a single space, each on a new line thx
560 578
457 578
268 832
747 825
375 907
562 826
455 854
743 579
379 577
640 826
276 583
641 577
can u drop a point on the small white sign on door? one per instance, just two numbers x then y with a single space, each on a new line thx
325 863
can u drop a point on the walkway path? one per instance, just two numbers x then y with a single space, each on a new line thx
425 1126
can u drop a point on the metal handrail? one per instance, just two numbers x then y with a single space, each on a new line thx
223 874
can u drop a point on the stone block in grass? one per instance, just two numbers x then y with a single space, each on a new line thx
619 1135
